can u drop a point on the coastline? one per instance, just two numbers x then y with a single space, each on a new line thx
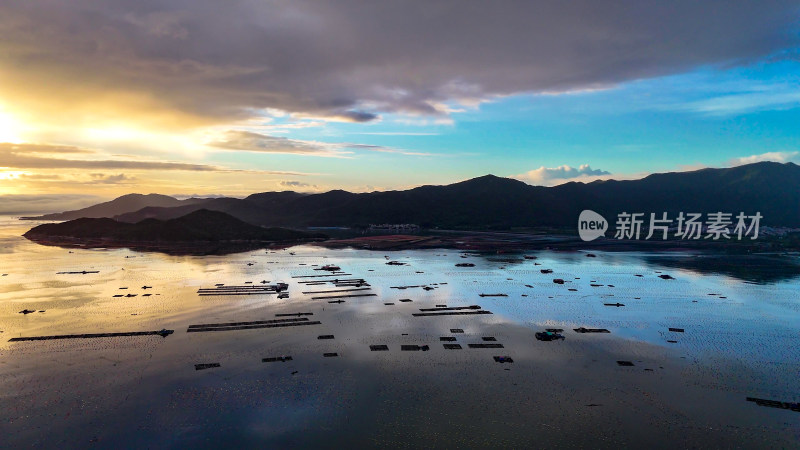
171 247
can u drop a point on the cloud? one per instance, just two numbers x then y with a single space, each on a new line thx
187 61
185 196
40 204
747 102
781 157
40 177
399 133
292 184
382 149
257 142
46 149
357 116
99 178
40 156
548 176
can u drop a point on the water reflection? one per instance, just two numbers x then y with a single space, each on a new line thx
740 339
763 269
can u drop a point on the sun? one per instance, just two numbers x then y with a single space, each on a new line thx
9 128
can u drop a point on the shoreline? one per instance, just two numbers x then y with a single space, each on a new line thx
509 242
170 248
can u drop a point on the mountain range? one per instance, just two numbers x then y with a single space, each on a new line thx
491 202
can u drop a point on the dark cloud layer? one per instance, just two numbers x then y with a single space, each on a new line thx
353 59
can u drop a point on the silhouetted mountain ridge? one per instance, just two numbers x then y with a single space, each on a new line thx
198 226
491 202
120 205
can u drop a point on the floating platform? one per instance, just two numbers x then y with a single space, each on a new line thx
343 296
276 323
335 280
414 348
337 290
379 348
328 275
485 345
162 333
447 338
591 330
451 308
451 313
238 290
456 330
452 346
276 359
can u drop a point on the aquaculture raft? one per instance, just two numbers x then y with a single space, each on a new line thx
163 333
275 323
451 313
242 290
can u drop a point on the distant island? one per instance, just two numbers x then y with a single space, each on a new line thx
201 231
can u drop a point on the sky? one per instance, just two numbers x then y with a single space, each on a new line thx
201 97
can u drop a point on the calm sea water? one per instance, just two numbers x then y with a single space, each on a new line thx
740 316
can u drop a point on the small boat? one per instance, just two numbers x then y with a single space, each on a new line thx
549 336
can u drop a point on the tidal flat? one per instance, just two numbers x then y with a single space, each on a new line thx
699 344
